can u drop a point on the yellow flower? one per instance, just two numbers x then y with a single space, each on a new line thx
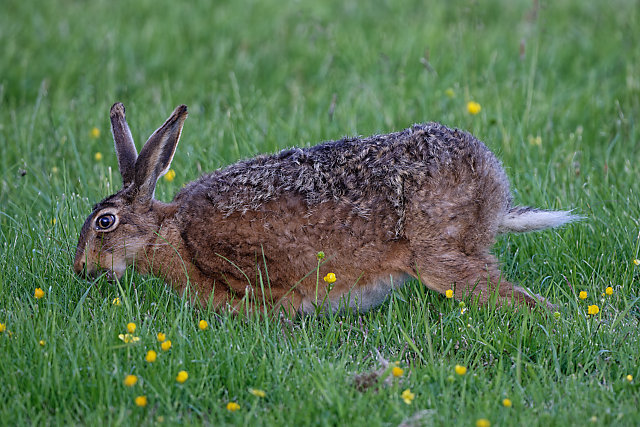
170 175
582 295
593 309
141 401
450 93
116 301
629 378
232 406
203 325
42 343
97 156
161 337
449 293
535 140
166 345
55 169
330 278
507 403
131 327
483 422
182 376
3 327
397 372
609 291
39 293
636 261
473 108
130 380
151 356
407 396
460 370
94 133
53 221
127 338
257 392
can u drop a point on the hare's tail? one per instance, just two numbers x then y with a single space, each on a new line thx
521 219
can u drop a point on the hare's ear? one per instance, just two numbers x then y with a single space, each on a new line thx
157 153
125 148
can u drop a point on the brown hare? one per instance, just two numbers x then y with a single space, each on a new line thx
425 203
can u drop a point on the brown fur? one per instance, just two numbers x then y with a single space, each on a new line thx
426 203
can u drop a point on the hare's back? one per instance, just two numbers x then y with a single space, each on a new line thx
359 171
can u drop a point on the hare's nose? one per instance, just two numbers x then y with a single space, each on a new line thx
79 267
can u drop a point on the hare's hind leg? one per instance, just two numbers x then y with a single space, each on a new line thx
476 276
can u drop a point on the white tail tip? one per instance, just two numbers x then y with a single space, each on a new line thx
523 219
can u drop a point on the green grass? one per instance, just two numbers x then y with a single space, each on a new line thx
262 75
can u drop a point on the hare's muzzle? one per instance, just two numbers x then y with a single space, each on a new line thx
80 267
87 271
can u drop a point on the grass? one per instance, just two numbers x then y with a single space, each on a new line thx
260 76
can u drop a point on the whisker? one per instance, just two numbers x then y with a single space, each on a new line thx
118 246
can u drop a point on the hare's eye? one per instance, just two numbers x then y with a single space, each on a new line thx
105 221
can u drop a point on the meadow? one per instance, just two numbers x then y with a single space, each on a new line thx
558 86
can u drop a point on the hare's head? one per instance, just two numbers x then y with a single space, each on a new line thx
123 224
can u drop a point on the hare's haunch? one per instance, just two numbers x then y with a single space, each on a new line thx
423 203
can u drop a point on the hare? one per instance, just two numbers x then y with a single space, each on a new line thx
425 203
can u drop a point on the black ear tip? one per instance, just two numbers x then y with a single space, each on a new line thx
117 109
181 109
